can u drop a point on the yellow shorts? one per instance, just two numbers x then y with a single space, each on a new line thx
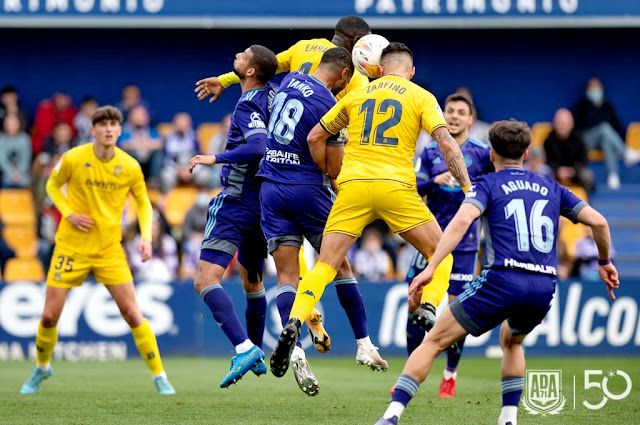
69 268
360 202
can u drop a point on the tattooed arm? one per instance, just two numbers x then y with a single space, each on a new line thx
452 156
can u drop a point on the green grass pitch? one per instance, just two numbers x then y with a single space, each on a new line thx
122 393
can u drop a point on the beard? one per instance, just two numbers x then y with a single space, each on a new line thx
239 73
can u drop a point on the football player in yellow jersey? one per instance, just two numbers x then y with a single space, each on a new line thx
99 176
304 57
377 181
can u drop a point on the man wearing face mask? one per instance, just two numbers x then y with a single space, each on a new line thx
601 129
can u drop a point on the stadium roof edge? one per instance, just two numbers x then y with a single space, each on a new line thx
265 22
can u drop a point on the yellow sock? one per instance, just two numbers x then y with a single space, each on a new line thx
434 292
46 339
310 290
148 347
303 263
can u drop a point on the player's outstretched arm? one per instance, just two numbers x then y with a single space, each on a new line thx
452 156
602 238
450 239
317 140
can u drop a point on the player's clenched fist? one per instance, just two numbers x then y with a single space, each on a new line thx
145 250
82 222
202 160
208 87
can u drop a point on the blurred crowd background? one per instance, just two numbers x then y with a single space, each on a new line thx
576 88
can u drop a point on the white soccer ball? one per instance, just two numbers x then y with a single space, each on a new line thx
366 54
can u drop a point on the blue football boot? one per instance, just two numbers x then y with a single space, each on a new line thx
241 364
33 383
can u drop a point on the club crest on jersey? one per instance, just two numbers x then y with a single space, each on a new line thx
256 121
117 171
543 392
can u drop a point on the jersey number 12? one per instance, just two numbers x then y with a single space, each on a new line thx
368 108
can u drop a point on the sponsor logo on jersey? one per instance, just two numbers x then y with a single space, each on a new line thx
310 293
256 121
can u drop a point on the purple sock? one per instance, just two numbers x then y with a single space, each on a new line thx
415 335
352 303
454 358
512 390
255 315
405 389
223 312
285 295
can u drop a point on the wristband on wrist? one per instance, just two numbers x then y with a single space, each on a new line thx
465 189
604 262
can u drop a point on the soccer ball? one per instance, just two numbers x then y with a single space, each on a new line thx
366 54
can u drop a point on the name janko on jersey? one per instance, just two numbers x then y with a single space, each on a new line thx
100 184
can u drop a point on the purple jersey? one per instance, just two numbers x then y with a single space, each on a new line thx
444 201
298 106
246 142
520 213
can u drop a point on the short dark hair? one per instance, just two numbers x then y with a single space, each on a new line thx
395 48
510 139
9 89
461 97
264 61
353 26
105 113
339 58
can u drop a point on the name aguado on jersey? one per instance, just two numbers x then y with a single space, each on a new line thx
517 204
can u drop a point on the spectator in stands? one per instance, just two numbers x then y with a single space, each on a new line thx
50 112
131 97
601 129
371 261
163 265
15 153
586 261
217 144
142 142
537 163
479 129
193 229
48 221
60 141
82 121
566 153
9 105
6 252
179 147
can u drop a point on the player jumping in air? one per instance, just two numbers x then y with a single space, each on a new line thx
520 211
377 180
304 57
296 198
99 176
444 196
233 219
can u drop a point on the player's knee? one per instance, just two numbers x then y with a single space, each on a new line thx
132 315
49 320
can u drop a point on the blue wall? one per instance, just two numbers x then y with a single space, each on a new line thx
524 74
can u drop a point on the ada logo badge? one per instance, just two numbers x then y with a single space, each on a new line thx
543 392
256 121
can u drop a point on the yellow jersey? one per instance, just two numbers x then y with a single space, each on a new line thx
304 57
99 190
384 119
